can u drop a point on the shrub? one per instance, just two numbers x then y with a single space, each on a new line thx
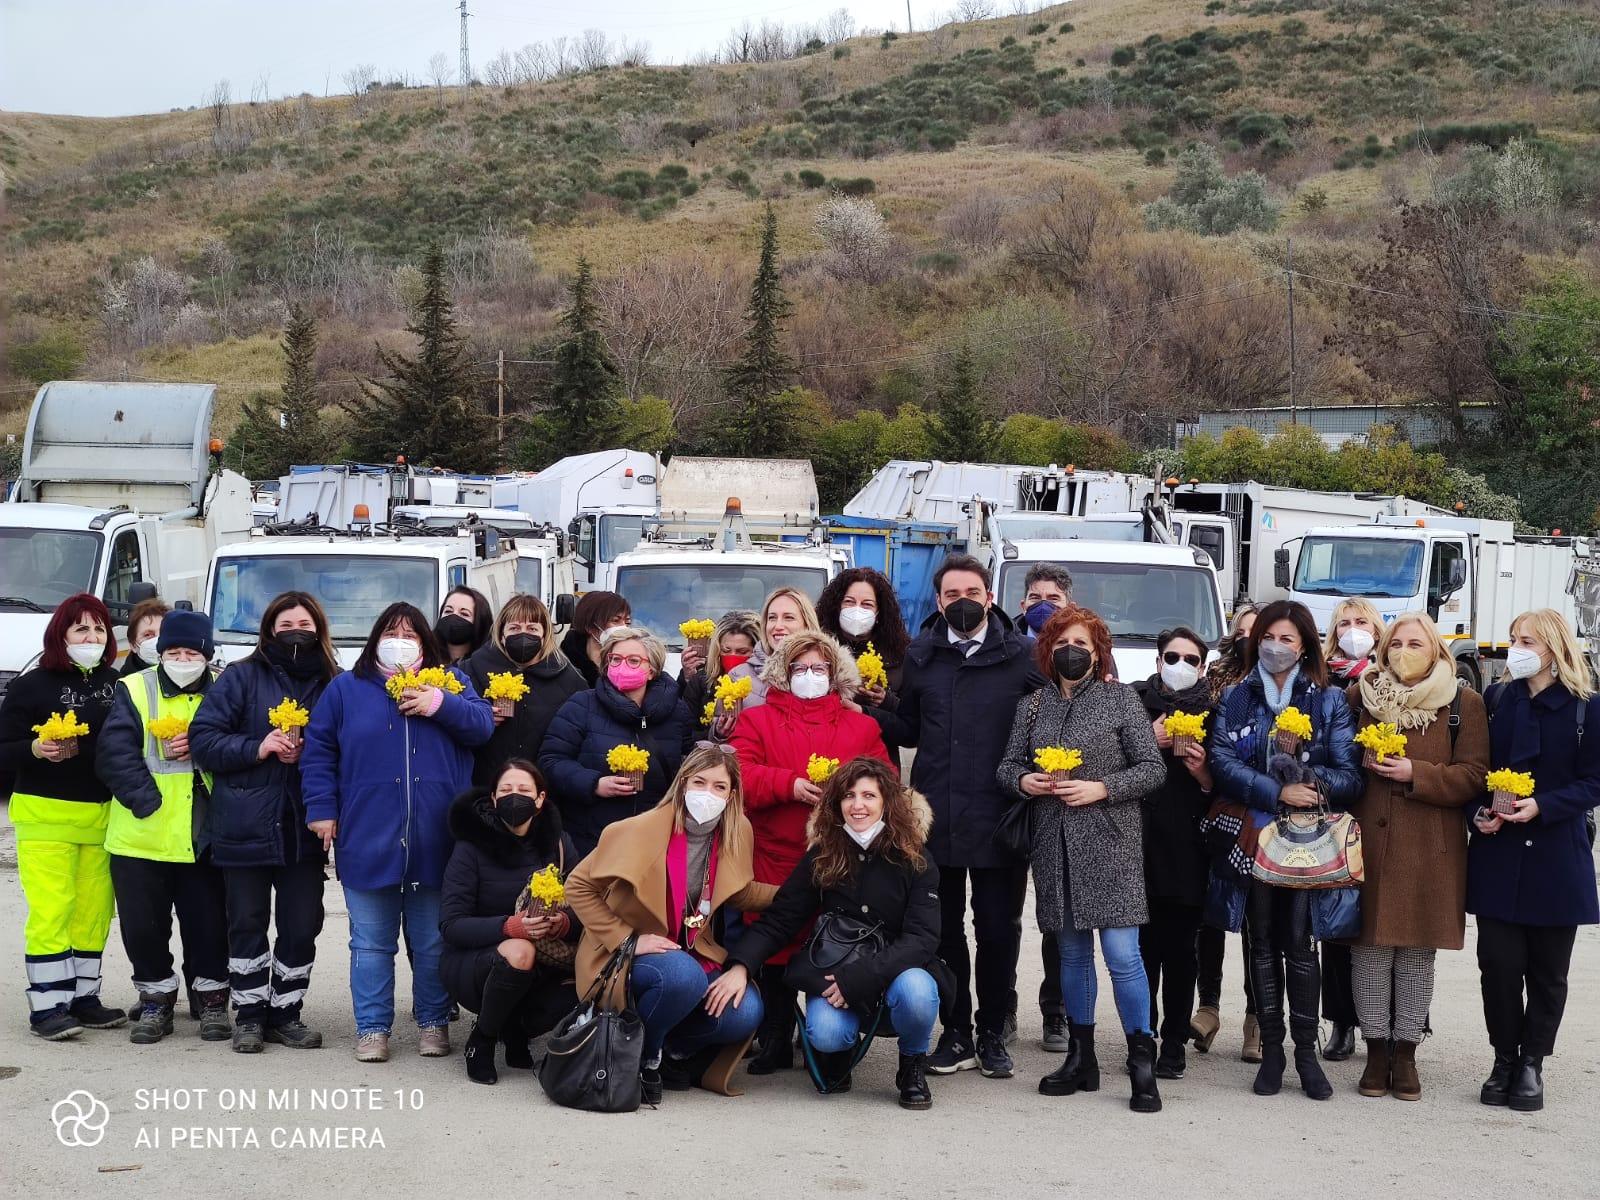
1313 200
1066 27
860 186
738 179
57 354
1124 56
1037 28
1155 156
812 179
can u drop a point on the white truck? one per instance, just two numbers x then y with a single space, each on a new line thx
602 499
120 494
1472 576
348 494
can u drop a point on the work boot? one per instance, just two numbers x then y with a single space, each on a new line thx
247 1038
1081 1071
154 1020
1527 1089
57 1027
1496 1090
1204 1027
91 1014
1375 1079
1252 1041
1142 1073
1405 1084
912 1081
294 1034
214 1023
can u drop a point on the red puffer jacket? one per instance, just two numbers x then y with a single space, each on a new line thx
774 741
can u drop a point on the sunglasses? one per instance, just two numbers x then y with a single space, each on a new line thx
1172 658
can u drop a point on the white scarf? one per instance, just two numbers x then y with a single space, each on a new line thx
1413 707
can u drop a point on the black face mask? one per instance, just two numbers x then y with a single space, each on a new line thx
295 641
514 808
1072 663
521 647
297 652
964 615
454 630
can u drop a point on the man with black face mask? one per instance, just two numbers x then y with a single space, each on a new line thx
964 675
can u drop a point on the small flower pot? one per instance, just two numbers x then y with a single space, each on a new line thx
1181 743
1505 803
503 707
1288 743
1369 759
69 747
637 779
295 734
166 748
1061 776
701 646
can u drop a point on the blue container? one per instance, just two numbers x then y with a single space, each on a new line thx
907 552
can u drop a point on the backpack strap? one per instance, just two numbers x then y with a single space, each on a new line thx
1583 713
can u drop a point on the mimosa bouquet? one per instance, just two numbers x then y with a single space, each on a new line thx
1185 730
165 729
873 673
1381 741
731 692
820 768
64 731
1057 761
428 677
1508 787
697 632
708 712
505 689
1291 729
629 761
544 894
289 717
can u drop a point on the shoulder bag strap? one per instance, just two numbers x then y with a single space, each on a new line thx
1583 713
1455 722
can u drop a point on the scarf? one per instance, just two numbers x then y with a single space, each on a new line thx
1277 698
1413 707
1349 669
1159 701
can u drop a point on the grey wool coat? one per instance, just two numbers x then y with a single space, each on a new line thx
1102 844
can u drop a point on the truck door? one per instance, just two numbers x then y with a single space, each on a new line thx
1447 579
124 568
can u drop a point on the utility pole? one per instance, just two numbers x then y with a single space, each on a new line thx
909 27
1294 412
466 55
500 405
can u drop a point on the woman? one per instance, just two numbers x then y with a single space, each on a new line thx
144 628
156 834
464 621
865 856
596 613
504 833
787 610
632 704
809 677
273 867
59 808
1229 668
1413 900
664 877
859 608
1088 856
1286 670
1176 867
523 644
1530 873
392 831
732 643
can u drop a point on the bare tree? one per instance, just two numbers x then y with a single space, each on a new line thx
534 63
440 72
974 10
593 50
220 101
500 71
740 44
838 25
560 56
633 54
357 80
1057 237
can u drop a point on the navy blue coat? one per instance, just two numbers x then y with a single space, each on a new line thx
1541 872
587 728
257 817
957 713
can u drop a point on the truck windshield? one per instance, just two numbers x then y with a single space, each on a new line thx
1136 601
42 567
1359 566
664 595
353 591
619 533
530 575
1036 527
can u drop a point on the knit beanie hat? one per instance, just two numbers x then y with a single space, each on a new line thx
182 630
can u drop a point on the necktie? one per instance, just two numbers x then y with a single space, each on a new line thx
967 647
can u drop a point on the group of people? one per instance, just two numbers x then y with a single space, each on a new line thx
746 834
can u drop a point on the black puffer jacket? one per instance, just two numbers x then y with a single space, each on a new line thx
489 868
522 733
1175 863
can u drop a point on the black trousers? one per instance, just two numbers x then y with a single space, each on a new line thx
1051 1003
998 895
513 1005
269 984
1513 958
148 893
1283 961
1167 945
1211 945
1338 985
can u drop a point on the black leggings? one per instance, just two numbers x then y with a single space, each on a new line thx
1167 945
1210 946
1283 961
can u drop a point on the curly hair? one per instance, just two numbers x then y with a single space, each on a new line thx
906 820
846 676
889 636
1044 652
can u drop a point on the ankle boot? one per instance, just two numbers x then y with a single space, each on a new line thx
1142 1073
214 1023
1375 1079
912 1080
1269 1079
153 1021
479 1056
835 1071
1081 1071
1312 1081
1252 1040
1527 1089
1204 1027
777 1025
1496 1090
1405 1084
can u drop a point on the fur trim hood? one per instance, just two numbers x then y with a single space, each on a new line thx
775 668
473 820
921 811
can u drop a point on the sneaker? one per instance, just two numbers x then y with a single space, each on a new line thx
372 1048
953 1053
994 1061
295 1035
57 1027
1008 1029
247 1038
1055 1035
433 1041
214 1023
91 1014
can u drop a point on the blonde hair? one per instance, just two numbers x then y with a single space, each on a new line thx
808 611
704 756
527 609
654 650
1551 628
740 621
1430 634
1361 608
846 676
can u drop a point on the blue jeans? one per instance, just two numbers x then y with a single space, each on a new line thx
1128 981
375 920
913 1004
668 990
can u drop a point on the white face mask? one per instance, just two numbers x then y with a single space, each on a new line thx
395 654
1179 676
147 650
183 672
1356 642
857 621
865 837
1522 663
86 654
704 806
809 686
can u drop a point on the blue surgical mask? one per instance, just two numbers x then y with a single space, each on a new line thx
1038 615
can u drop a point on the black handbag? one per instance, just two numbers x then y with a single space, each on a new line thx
1014 835
838 940
593 1056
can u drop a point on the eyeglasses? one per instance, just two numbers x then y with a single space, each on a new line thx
821 669
1172 658
632 660
716 746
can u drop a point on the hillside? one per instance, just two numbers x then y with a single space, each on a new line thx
1012 161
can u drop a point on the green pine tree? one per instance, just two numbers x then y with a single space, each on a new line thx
426 410
582 412
760 421
960 428
282 429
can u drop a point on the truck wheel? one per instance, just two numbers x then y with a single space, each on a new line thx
1467 673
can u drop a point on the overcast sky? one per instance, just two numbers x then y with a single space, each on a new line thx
114 57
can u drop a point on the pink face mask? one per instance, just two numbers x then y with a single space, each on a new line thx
626 678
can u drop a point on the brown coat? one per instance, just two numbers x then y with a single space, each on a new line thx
1414 835
622 889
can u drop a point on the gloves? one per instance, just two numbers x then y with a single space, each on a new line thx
514 928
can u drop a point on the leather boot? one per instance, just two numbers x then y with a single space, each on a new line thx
912 1080
1146 1097
1341 1043
777 1025
1312 1080
1527 1089
835 1071
1496 1090
503 991
1081 1071
1405 1083
1252 1040
479 1055
1375 1079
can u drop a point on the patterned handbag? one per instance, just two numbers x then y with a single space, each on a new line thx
1310 848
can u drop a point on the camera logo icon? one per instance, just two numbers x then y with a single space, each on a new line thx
80 1119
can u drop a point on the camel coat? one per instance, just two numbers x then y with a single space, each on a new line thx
1414 835
622 889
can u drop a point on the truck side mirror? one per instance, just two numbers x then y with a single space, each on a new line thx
1457 578
1280 568
140 592
566 608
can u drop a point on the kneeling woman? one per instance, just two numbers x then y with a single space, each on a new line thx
491 963
865 861
665 876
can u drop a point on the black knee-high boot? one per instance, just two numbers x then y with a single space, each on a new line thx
503 991
777 1024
